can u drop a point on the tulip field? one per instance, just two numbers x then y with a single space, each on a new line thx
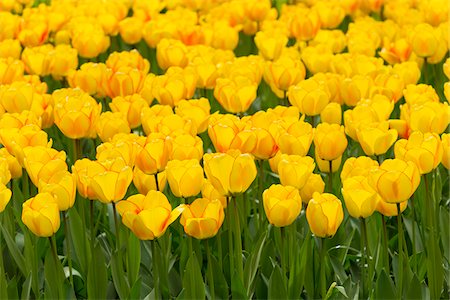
224 149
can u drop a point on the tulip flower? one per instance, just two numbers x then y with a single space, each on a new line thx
203 218
270 44
294 170
41 215
235 95
15 169
445 137
83 170
357 166
131 106
283 73
62 186
360 198
230 173
314 184
425 150
377 138
148 216
171 52
324 165
5 196
210 192
197 111
390 209
332 113
266 146
310 96
92 78
155 153
295 138
186 146
326 135
145 183
185 177
132 59
42 162
324 214
395 180
282 204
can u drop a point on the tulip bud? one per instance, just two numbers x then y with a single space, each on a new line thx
197 111
155 153
235 95
270 44
171 52
15 169
360 198
131 30
83 170
203 218
295 138
395 180
131 106
10 48
424 40
230 172
90 40
377 138
92 78
266 146
310 96
425 150
305 25
283 73
282 204
186 146
148 216
210 192
314 184
324 165
185 177
41 215
42 162
357 166
332 113
295 170
445 137
110 124
326 135
62 186
324 214
5 196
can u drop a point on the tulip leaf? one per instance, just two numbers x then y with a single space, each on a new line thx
384 287
445 232
134 257
237 287
277 289
135 292
4 284
26 288
220 283
414 289
194 287
79 239
97 277
252 264
117 273
15 252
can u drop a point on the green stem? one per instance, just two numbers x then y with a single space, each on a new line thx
68 245
219 246
116 225
156 182
330 177
238 241
283 257
367 254
155 270
59 284
323 284
400 252
230 239
363 263
25 185
385 245
210 271
260 192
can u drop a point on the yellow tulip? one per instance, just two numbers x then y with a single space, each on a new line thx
92 78
283 73
131 30
324 214
445 137
231 172
90 40
305 25
109 124
357 166
324 165
5 196
186 146
424 40
360 198
170 53
266 146
126 146
155 153
395 180
203 218
282 204
425 150
62 186
175 85
83 170
332 113
210 192
270 44
428 117
294 170
294 138
42 162
132 59
131 106
15 169
125 81
10 48
111 185
5 174
185 177
314 184
145 183
310 96
390 209
11 70
235 95
197 111
326 135
376 138
148 216
41 215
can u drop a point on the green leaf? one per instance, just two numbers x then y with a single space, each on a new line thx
15 252
79 240
118 276
445 232
135 292
384 287
52 278
414 289
134 257
220 283
277 289
252 264
26 288
4 284
194 288
238 290
97 277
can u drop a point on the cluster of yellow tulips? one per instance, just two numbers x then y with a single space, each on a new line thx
280 132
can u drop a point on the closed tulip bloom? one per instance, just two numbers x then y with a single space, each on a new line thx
126 146
310 96
175 85
170 52
428 117
110 124
5 196
266 146
111 185
390 209
231 172
125 81
324 214
11 70
15 140
425 150
207 72
295 138
42 162
294 170
41 215
145 183
332 113
203 218
62 186
305 26
130 30
377 138
330 134
20 96
186 146
224 36
10 48
360 198
76 113
15 169
185 177
357 166
152 115
62 59
197 111
155 153
395 180
131 106
424 40
445 137
92 78
283 73
282 204
36 59
270 44
420 94
235 95
148 216
83 170
90 40
5 174
324 165
210 192
330 15
314 184
132 59
18 120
